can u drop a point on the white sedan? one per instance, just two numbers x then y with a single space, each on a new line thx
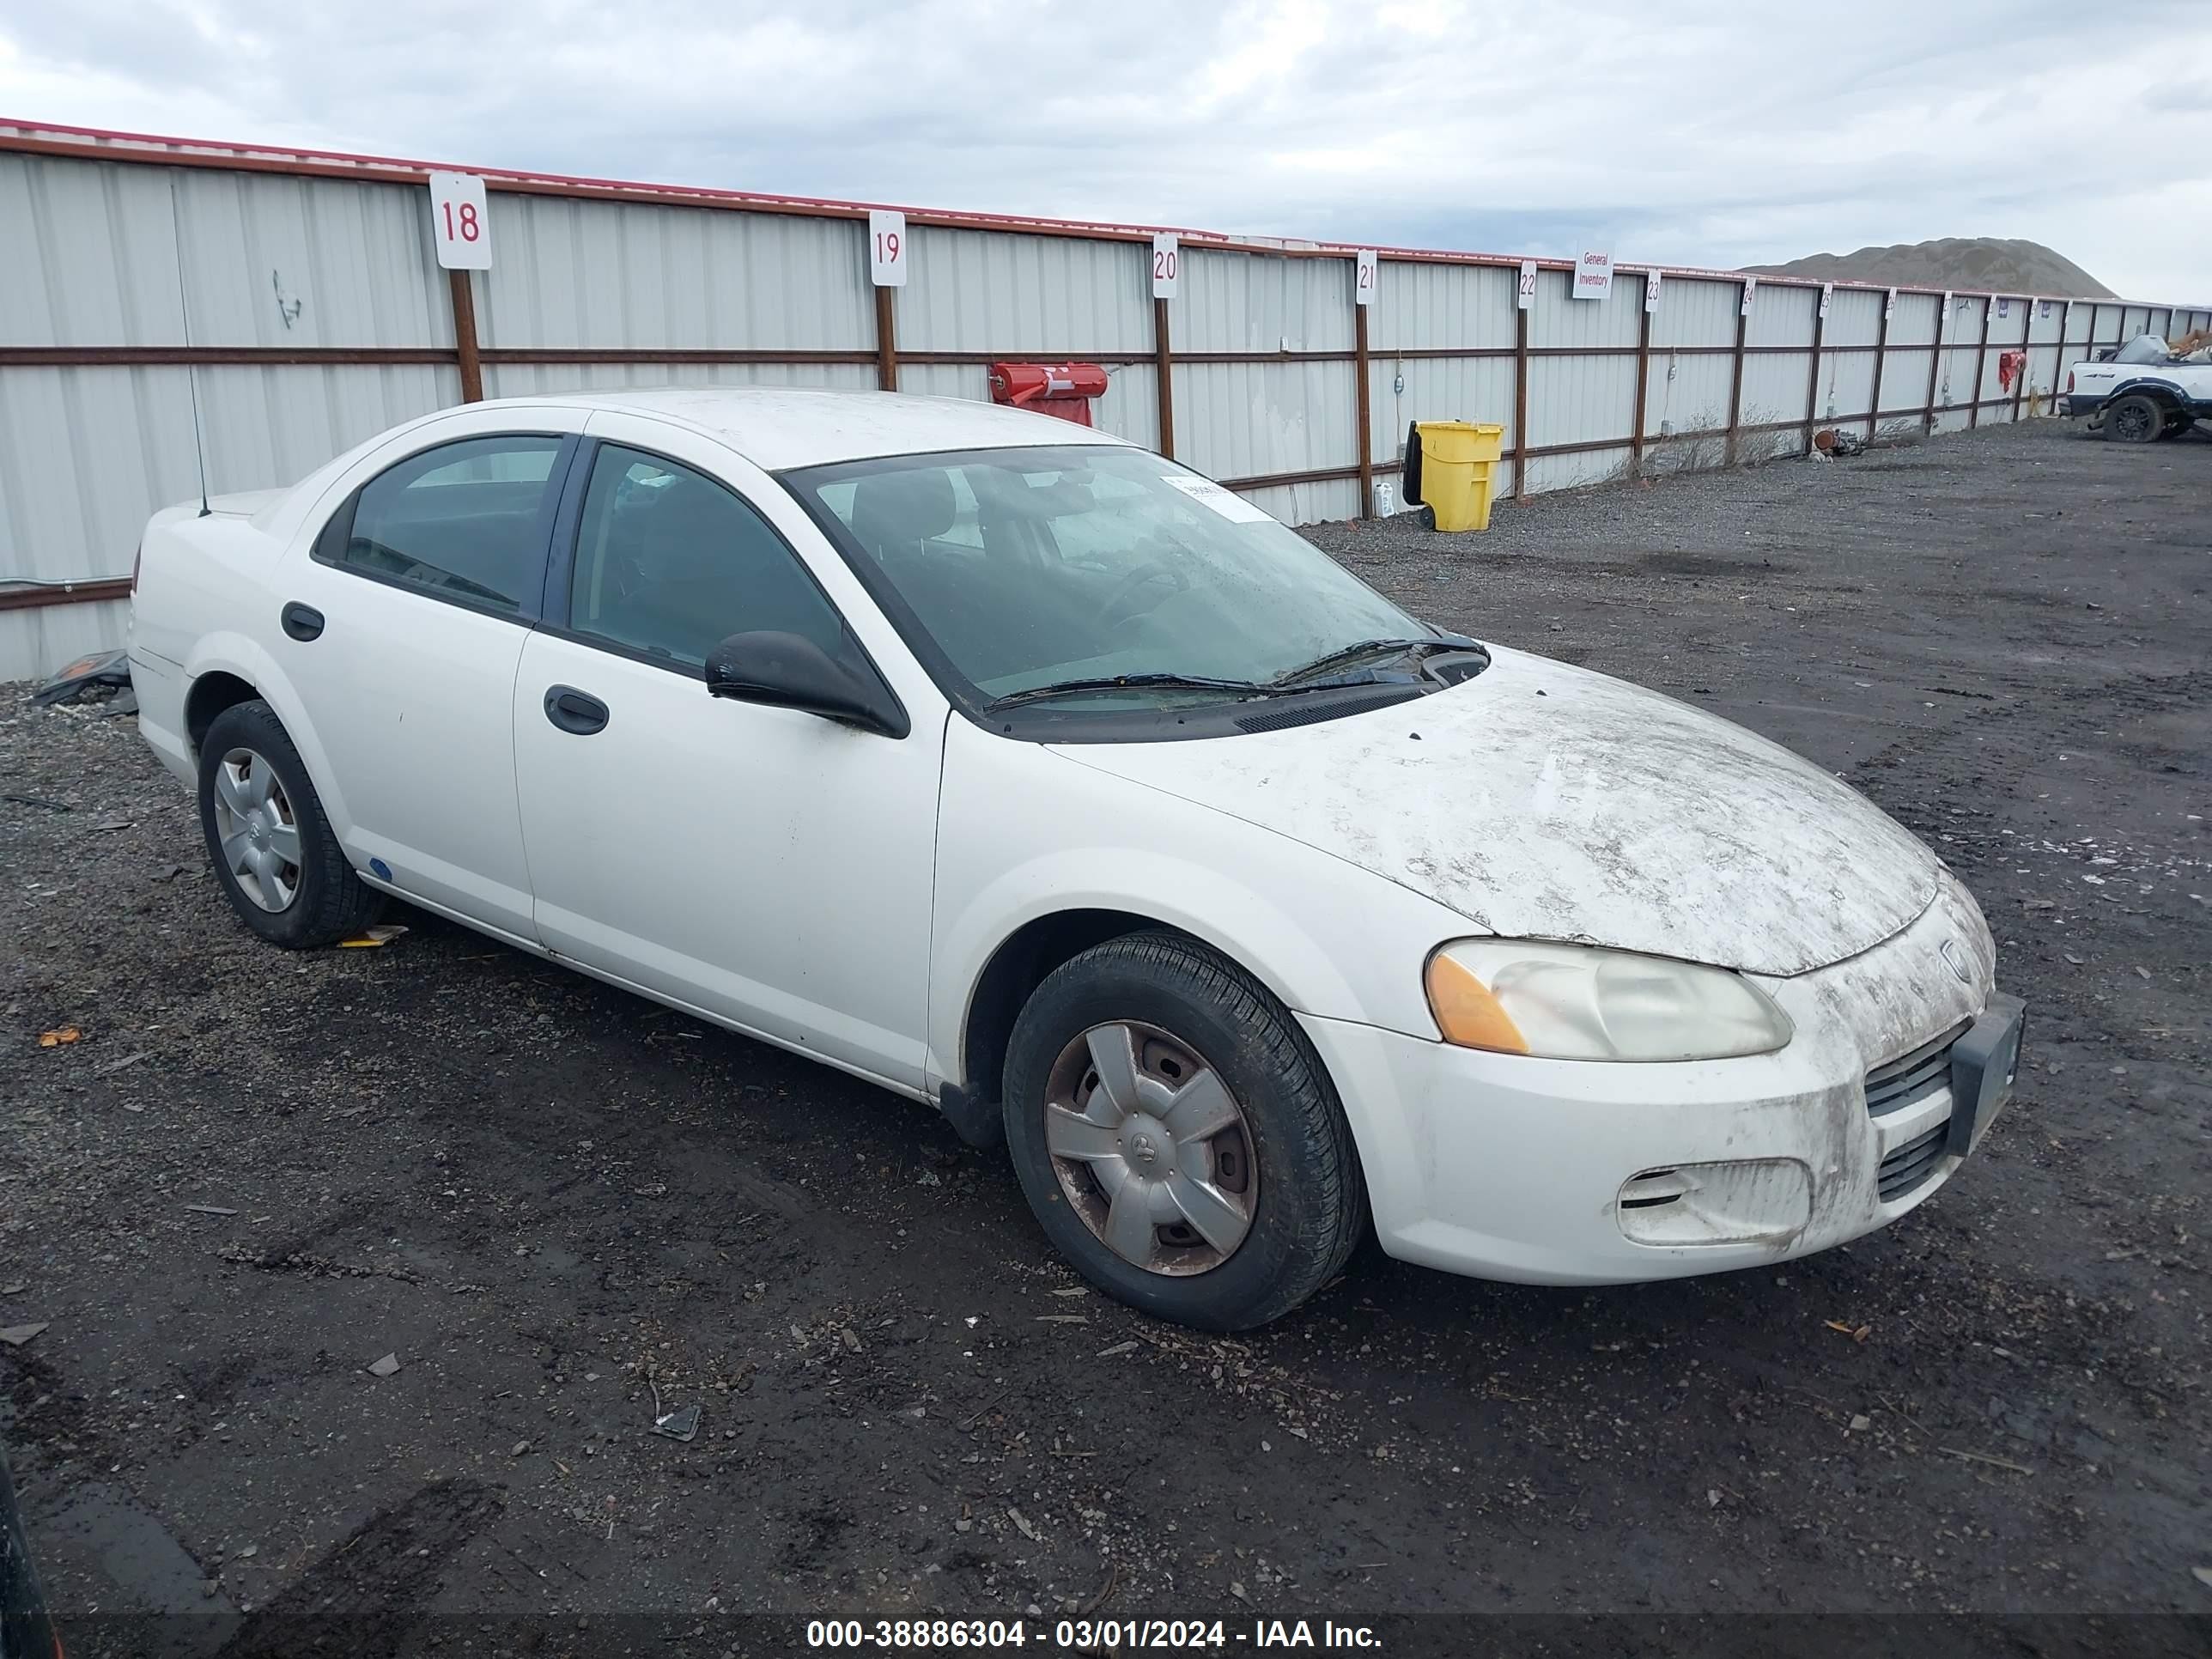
1028 774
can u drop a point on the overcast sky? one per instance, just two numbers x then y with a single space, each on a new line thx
1683 132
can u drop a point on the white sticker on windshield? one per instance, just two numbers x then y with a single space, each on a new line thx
1227 503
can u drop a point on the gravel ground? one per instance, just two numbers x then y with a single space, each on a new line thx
557 1205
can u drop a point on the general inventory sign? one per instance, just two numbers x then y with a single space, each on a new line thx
1594 274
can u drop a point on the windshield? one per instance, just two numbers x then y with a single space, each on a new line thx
1027 567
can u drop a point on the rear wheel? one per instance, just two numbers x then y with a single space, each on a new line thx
2136 419
1176 1137
271 845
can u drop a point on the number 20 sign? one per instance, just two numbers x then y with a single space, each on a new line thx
1167 266
460 228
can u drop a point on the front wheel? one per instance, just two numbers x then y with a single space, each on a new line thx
272 846
1176 1136
2135 420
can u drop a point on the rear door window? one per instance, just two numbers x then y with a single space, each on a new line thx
464 522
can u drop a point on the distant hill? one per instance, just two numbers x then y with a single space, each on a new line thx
1996 263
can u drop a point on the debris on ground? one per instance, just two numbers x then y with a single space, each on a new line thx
60 1036
102 672
16 1335
682 1424
387 1366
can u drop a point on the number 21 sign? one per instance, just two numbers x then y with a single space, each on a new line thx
460 228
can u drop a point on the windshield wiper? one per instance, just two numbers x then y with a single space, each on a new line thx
1122 681
1351 653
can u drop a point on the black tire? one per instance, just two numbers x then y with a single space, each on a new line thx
2176 425
1310 1200
329 901
2134 419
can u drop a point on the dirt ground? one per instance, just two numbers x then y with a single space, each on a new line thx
553 1203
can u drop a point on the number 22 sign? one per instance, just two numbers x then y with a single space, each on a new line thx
460 228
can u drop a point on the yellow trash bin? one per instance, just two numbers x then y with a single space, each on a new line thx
1447 468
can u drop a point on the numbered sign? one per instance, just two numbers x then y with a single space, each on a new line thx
886 247
1827 294
1651 290
1889 304
1167 267
461 229
2004 307
1750 288
1942 317
2046 312
1527 297
1363 275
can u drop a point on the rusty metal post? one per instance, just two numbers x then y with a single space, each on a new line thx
886 343
1881 362
1981 363
1643 388
1735 375
1366 437
1520 400
1813 389
464 336
1163 367
1936 364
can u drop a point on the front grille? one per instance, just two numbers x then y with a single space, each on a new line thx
1912 1163
1897 1084
1908 1080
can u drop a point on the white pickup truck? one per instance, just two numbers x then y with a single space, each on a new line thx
2142 393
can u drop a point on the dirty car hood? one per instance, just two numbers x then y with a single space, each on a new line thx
1543 801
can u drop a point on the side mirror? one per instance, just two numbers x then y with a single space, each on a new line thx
788 670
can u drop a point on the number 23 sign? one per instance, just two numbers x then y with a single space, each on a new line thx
460 228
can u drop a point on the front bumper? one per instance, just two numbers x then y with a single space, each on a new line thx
1576 1173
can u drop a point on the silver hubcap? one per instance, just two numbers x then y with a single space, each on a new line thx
255 826
1151 1149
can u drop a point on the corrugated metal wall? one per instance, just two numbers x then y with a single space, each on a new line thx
318 316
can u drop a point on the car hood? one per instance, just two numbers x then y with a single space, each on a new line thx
1543 801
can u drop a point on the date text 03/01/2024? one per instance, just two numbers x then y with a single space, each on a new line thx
1084 1635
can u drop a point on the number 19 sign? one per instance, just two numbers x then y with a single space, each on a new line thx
460 228
887 247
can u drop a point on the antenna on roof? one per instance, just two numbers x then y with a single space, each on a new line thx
191 374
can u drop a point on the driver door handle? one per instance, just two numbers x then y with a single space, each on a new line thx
575 711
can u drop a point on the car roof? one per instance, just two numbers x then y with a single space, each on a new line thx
776 428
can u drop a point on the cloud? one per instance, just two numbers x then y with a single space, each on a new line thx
1694 133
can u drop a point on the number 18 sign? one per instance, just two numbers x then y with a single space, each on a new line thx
460 228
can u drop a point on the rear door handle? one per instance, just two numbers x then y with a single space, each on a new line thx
302 621
575 711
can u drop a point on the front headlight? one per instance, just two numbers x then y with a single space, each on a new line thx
1578 1002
